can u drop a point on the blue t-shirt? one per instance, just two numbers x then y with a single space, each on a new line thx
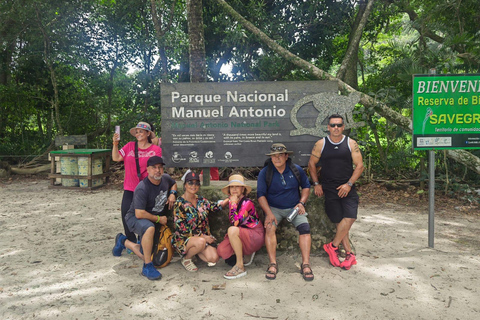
283 192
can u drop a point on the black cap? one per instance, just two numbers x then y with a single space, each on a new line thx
155 160
192 176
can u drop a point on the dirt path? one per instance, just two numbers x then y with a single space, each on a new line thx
56 262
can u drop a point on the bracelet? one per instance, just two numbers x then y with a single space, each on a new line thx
174 192
115 143
158 219
302 203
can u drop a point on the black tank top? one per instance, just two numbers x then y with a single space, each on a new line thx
336 162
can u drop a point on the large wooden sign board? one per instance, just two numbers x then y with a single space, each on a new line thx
234 124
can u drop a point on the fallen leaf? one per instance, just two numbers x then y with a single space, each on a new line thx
219 286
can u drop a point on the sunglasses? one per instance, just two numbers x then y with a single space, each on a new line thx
193 183
144 127
283 180
338 125
278 149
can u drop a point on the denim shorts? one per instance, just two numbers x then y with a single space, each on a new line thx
138 226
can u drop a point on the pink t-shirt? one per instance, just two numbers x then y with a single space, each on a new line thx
128 154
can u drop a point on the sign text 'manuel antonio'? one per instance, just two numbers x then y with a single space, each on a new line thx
231 97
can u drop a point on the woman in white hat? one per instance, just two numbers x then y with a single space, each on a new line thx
133 175
246 235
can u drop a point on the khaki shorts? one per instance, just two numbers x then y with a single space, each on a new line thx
281 214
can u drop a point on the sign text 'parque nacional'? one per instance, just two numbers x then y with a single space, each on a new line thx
446 112
234 124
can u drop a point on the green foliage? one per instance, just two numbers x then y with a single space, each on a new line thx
84 66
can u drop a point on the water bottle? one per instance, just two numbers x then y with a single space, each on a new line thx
292 215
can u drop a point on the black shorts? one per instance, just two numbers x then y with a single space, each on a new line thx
338 208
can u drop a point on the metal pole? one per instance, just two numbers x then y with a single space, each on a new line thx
431 197
206 177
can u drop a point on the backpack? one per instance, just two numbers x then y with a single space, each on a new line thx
162 251
269 173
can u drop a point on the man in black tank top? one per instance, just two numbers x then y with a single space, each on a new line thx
338 155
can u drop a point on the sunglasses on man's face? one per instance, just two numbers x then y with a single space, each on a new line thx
193 183
338 125
278 149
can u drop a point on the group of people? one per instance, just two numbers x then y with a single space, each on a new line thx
283 190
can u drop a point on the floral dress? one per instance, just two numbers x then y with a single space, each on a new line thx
191 221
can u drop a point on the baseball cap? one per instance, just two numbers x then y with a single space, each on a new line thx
155 160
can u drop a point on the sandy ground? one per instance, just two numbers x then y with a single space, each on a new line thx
56 263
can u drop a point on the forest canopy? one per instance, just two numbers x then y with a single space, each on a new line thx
81 67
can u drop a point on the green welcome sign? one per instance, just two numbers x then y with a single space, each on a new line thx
446 111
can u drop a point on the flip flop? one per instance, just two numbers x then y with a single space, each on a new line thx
306 275
274 273
251 260
235 273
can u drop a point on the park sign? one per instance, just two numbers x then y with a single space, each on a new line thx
214 124
446 112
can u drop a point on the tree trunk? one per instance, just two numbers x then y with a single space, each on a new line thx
198 70
348 69
159 35
53 77
43 168
381 153
462 156
198 62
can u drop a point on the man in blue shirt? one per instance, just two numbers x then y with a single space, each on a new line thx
278 194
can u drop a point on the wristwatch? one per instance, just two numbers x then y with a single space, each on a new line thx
316 183
350 184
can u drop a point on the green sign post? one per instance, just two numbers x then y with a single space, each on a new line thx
446 115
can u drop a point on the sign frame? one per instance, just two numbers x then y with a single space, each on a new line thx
446 111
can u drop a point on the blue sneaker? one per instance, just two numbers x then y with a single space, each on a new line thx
119 241
150 272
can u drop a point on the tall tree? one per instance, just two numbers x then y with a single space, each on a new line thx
348 70
198 71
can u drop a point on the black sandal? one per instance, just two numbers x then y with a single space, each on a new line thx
306 275
274 273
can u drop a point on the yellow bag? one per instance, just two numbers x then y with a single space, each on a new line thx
162 247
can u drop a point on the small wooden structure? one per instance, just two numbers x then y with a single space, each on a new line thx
91 176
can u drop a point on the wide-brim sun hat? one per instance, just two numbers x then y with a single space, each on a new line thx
144 126
236 180
278 148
